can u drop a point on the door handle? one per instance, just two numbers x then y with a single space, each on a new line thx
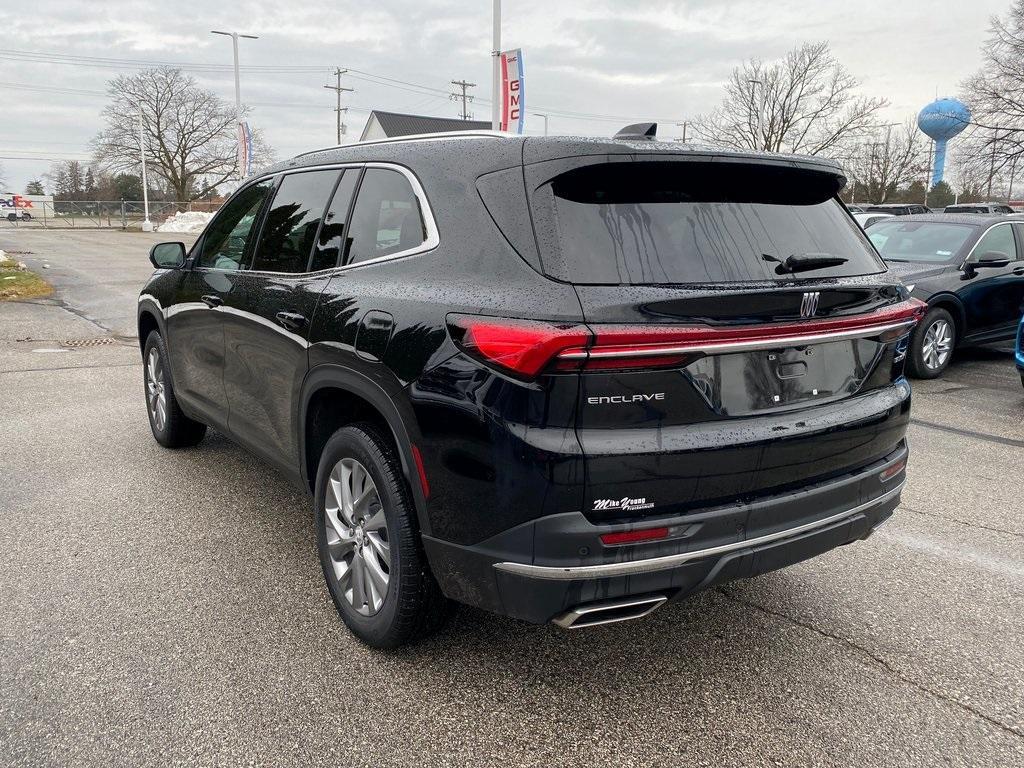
293 321
212 300
1018 271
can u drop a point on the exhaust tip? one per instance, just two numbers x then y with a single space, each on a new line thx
609 612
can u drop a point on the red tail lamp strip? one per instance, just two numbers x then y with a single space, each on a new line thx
527 347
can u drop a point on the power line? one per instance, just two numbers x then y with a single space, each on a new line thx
356 74
338 72
464 96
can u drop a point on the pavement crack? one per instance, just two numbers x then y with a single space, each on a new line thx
878 661
961 522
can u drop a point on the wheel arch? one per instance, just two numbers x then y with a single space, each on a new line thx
150 318
952 304
333 396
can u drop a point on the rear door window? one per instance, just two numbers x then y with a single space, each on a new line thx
650 223
293 221
386 218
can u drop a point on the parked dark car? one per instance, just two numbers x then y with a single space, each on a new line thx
969 268
566 380
978 208
899 209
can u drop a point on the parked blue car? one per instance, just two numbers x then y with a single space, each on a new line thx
1020 350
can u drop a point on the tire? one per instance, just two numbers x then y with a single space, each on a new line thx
410 605
171 427
931 346
1022 378
27 216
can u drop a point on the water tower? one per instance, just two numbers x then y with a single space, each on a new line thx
941 121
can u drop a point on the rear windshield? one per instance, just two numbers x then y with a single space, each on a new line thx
919 240
651 223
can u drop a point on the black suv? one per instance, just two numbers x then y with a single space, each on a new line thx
562 379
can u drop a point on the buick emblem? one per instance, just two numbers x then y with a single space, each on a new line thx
809 304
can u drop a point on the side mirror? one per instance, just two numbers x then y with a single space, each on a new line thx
169 255
990 260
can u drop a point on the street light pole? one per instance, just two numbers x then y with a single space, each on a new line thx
147 225
496 95
541 114
238 87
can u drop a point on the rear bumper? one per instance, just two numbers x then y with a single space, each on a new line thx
541 570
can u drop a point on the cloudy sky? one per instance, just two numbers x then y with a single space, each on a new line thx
592 64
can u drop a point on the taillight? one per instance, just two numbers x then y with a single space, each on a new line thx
521 347
528 347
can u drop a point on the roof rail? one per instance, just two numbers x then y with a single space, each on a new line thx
418 137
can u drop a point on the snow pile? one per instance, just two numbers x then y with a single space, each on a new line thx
188 222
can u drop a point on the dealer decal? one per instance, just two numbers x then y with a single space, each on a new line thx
624 504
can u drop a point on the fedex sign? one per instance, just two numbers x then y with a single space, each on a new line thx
14 201
513 106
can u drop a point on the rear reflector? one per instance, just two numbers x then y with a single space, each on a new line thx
634 537
418 458
891 471
527 348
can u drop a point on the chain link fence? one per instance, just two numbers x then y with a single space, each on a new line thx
96 214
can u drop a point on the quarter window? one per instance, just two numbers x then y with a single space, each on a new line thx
386 218
225 242
293 220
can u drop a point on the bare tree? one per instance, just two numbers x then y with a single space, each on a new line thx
191 133
993 146
805 103
878 168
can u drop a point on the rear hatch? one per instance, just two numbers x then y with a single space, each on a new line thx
744 335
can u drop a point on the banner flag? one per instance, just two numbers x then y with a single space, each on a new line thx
244 150
513 105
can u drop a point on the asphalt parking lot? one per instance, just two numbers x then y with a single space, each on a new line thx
165 607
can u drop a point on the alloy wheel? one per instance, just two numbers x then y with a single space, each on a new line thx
357 537
938 344
156 389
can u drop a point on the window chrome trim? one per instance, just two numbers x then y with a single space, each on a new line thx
632 567
433 238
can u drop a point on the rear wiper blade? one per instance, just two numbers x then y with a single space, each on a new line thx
805 262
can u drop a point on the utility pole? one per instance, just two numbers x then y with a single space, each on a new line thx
683 125
496 94
464 97
992 167
755 107
338 72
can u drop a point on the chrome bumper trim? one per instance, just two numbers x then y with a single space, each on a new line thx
629 568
